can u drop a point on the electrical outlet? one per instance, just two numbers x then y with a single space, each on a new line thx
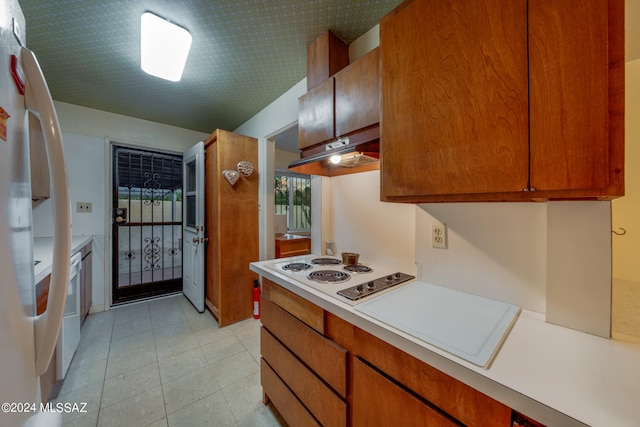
439 236
83 207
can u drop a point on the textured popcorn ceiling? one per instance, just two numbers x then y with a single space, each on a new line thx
245 53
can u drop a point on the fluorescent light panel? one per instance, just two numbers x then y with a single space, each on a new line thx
164 47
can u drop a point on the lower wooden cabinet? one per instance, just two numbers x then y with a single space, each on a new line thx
290 407
462 402
289 245
378 401
301 366
319 369
308 387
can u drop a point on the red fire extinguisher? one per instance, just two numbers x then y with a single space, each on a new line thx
256 299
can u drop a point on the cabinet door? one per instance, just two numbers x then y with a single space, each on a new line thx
454 98
316 115
377 401
358 94
576 105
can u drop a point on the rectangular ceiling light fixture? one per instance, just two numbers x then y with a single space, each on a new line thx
164 47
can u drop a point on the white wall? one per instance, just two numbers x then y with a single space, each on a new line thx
84 156
382 233
284 158
86 135
495 250
101 124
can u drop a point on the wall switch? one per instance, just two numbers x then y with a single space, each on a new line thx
83 207
439 236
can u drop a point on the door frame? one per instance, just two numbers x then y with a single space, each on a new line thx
108 219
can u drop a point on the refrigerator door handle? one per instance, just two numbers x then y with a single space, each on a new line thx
39 102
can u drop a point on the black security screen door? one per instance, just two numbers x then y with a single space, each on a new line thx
147 224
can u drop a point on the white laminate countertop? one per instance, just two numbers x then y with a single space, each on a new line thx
555 375
43 252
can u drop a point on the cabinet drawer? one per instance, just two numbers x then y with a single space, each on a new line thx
323 356
327 407
297 306
379 401
296 414
459 400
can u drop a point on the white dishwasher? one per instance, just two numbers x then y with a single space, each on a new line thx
70 331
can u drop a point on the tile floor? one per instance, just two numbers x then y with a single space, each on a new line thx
161 363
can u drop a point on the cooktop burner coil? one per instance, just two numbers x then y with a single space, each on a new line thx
329 276
297 266
325 261
357 268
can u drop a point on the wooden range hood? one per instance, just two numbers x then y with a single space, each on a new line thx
340 113
359 152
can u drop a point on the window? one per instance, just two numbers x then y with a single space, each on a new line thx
293 198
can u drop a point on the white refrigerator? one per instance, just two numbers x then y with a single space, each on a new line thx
27 341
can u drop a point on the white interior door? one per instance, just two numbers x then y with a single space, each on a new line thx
193 245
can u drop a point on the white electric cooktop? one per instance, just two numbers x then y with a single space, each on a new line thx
355 278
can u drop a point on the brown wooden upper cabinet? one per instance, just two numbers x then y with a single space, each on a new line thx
488 100
344 103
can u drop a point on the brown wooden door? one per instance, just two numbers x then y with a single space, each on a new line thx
358 94
454 98
316 115
571 51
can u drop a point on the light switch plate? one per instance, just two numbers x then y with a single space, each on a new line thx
84 207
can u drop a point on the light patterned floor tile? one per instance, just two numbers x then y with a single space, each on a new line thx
234 368
223 348
129 384
244 396
173 345
213 410
130 359
188 389
182 364
212 334
87 398
138 410
265 416
83 374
